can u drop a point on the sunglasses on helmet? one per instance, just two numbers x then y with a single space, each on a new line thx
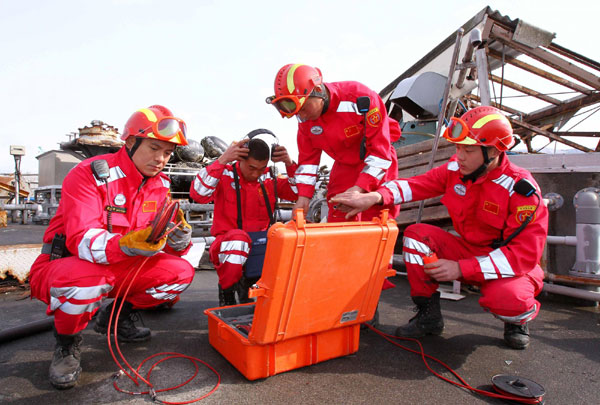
167 128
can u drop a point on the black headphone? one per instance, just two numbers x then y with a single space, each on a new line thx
260 131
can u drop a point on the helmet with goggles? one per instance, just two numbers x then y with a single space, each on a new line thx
294 83
483 125
156 122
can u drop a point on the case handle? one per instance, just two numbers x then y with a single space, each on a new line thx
255 291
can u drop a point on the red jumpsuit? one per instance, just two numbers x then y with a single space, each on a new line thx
73 287
339 133
481 212
231 247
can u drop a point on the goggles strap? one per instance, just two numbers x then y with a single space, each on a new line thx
136 145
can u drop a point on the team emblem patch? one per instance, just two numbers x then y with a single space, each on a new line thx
120 200
352 131
316 130
374 117
149 206
460 189
491 207
525 211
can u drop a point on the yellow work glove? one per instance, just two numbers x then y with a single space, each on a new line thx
134 243
181 237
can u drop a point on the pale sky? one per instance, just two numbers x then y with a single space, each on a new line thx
66 63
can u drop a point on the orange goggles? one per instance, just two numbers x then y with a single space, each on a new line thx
288 106
168 128
457 131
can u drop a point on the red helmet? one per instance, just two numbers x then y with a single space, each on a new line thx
483 125
293 84
156 122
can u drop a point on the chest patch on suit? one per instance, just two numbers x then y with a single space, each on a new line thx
316 130
491 207
525 211
149 206
374 117
352 131
120 200
460 189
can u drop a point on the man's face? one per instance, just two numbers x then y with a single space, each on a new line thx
152 155
470 157
311 110
251 169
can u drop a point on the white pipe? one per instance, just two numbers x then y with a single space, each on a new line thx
562 240
572 292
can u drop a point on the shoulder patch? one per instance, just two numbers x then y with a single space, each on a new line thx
374 117
525 211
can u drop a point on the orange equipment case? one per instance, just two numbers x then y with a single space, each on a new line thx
319 283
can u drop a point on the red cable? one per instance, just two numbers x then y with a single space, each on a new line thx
166 215
502 395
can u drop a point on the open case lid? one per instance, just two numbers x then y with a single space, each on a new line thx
319 277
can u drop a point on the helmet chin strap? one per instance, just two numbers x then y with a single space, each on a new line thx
136 145
480 170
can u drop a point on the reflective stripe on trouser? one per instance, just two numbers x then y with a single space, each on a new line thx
74 288
229 253
342 177
509 299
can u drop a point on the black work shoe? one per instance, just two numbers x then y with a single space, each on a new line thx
65 367
516 336
227 296
126 329
428 320
242 288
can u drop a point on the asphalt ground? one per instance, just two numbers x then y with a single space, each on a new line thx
563 357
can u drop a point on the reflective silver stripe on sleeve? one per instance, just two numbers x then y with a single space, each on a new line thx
114 173
205 184
416 245
304 179
453 166
502 263
487 267
374 172
413 258
77 293
239 245
96 253
519 319
378 162
307 169
232 258
228 173
166 183
507 182
400 190
347 106
393 187
294 189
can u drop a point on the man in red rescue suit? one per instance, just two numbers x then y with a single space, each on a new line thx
217 182
498 214
98 237
332 120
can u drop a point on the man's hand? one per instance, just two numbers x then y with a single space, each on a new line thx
352 201
235 151
134 243
180 238
302 202
443 270
280 154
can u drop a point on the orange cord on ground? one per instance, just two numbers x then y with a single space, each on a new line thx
169 355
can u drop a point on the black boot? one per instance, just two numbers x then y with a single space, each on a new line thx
242 288
65 367
227 296
126 329
428 320
516 336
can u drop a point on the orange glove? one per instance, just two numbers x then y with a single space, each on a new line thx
134 243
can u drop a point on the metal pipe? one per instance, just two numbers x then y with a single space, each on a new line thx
442 114
475 41
562 240
572 292
572 279
26 329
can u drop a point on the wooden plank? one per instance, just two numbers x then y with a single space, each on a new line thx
435 213
419 147
423 159
559 163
